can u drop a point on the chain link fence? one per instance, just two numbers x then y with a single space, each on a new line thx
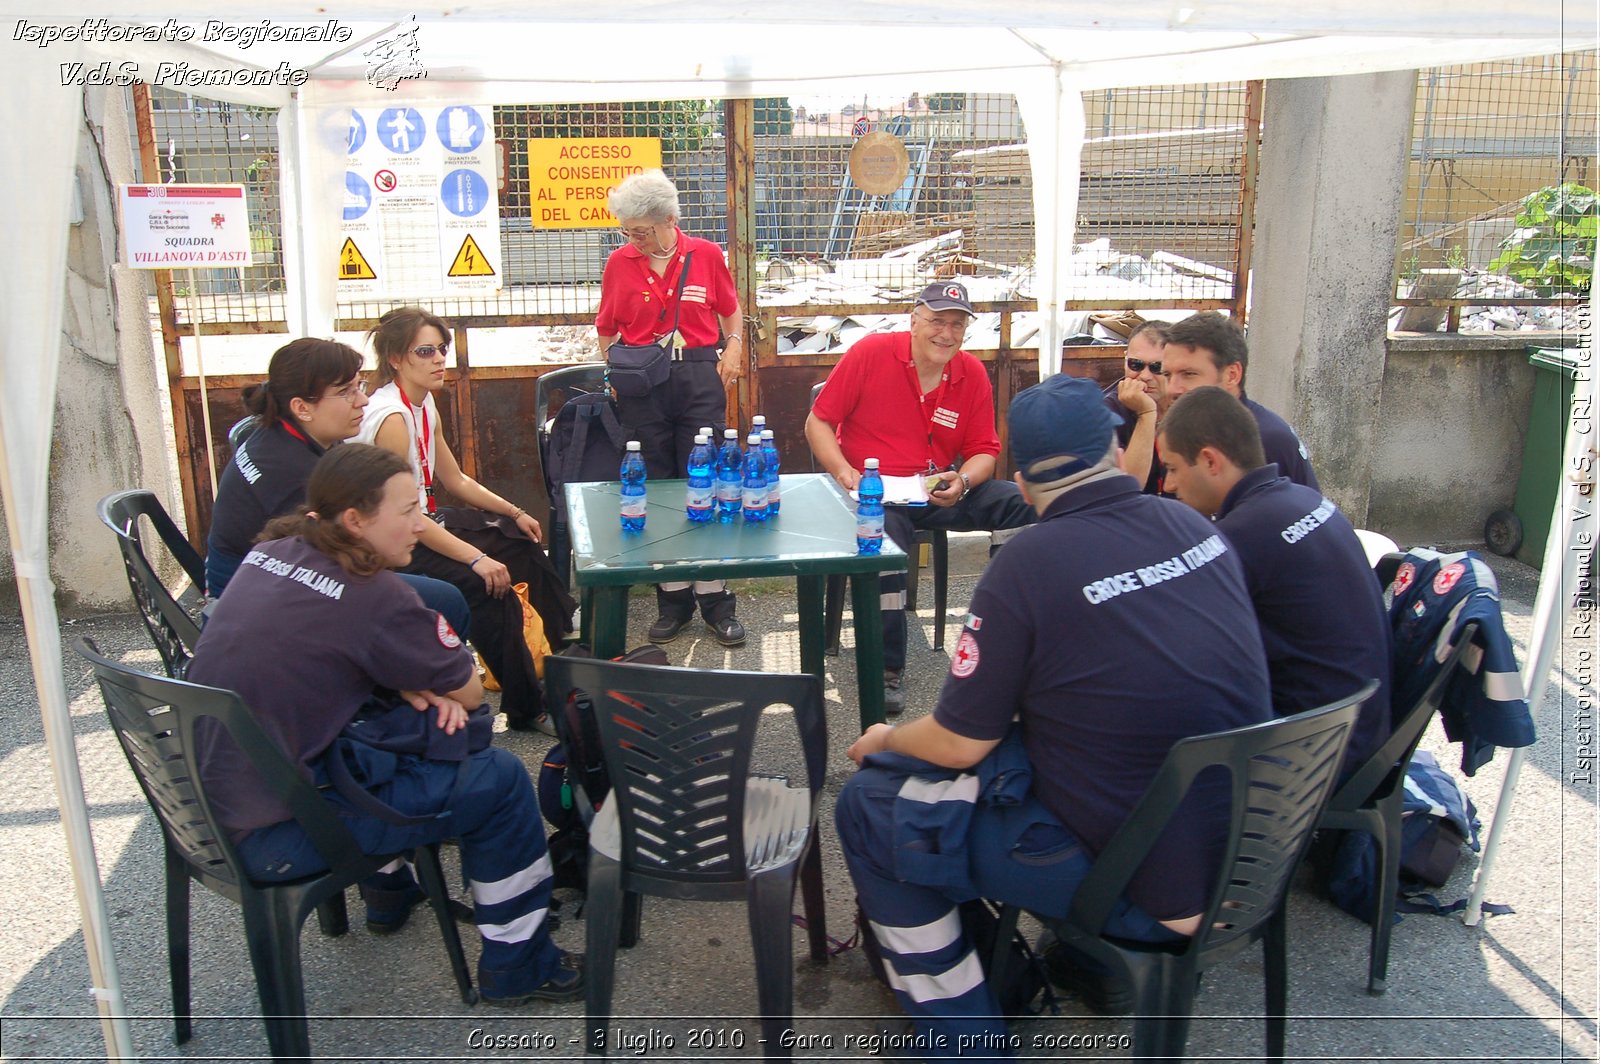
1486 137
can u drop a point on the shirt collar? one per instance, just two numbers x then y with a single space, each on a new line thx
1257 480
1095 493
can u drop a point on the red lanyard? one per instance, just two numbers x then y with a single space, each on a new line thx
421 415
291 430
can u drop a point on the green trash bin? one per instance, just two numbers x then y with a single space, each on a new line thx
1555 376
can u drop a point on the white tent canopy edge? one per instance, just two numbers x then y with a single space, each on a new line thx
1044 52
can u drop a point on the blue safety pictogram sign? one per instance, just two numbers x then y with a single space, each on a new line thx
460 129
402 130
464 193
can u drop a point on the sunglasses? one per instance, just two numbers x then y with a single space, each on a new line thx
1139 365
427 351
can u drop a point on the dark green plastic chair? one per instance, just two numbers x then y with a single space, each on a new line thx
154 719
1373 797
685 818
173 627
1282 773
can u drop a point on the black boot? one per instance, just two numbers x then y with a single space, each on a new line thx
675 609
717 609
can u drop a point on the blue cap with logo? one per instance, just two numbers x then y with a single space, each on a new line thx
946 295
1059 427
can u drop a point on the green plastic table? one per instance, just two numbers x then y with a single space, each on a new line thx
813 537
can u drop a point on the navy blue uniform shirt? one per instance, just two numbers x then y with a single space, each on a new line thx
1283 448
1115 626
266 479
1320 608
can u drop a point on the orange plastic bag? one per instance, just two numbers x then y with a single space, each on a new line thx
532 632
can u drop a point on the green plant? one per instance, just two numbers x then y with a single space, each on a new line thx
1456 258
1552 248
1411 269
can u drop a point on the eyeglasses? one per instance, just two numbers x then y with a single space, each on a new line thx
348 393
939 325
1139 365
427 351
638 234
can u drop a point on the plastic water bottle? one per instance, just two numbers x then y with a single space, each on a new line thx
757 423
633 501
701 501
755 480
869 510
769 451
730 477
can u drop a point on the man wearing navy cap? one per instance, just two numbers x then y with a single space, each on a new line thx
1209 349
920 405
1321 612
1115 626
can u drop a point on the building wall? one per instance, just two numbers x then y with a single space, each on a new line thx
111 428
1449 448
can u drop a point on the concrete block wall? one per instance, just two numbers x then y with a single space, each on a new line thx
1451 426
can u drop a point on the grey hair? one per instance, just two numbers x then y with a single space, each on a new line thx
648 195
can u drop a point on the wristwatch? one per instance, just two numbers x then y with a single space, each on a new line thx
966 484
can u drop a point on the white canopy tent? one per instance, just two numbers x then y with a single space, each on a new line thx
1046 52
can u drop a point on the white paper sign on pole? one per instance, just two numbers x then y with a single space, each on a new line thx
421 207
171 227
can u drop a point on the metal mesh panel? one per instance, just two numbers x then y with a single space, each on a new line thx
1158 213
199 141
1485 136
555 272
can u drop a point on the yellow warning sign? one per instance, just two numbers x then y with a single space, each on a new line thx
353 265
470 261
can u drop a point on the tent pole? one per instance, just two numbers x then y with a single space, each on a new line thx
200 368
44 647
1570 546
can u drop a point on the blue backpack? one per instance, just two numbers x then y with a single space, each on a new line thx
1438 820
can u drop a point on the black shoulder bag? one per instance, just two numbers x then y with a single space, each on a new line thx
635 370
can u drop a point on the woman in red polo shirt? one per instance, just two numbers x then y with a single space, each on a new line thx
639 296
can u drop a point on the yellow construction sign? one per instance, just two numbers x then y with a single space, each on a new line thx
470 261
353 265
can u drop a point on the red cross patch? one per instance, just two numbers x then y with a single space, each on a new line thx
1403 577
955 291
1447 577
964 662
447 635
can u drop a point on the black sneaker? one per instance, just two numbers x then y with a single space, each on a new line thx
389 908
894 692
1107 994
567 984
667 627
729 632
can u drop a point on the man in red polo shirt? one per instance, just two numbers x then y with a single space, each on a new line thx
920 405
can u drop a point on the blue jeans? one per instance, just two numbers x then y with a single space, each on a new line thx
496 819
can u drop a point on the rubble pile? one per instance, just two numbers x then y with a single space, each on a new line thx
1479 284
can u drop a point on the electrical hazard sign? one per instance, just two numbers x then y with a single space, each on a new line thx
353 265
470 261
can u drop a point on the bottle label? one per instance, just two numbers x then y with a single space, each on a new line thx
633 506
729 490
700 497
869 528
755 498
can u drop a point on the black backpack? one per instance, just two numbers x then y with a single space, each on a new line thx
573 782
586 442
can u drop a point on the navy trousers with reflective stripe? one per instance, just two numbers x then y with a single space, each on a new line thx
503 856
1020 854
